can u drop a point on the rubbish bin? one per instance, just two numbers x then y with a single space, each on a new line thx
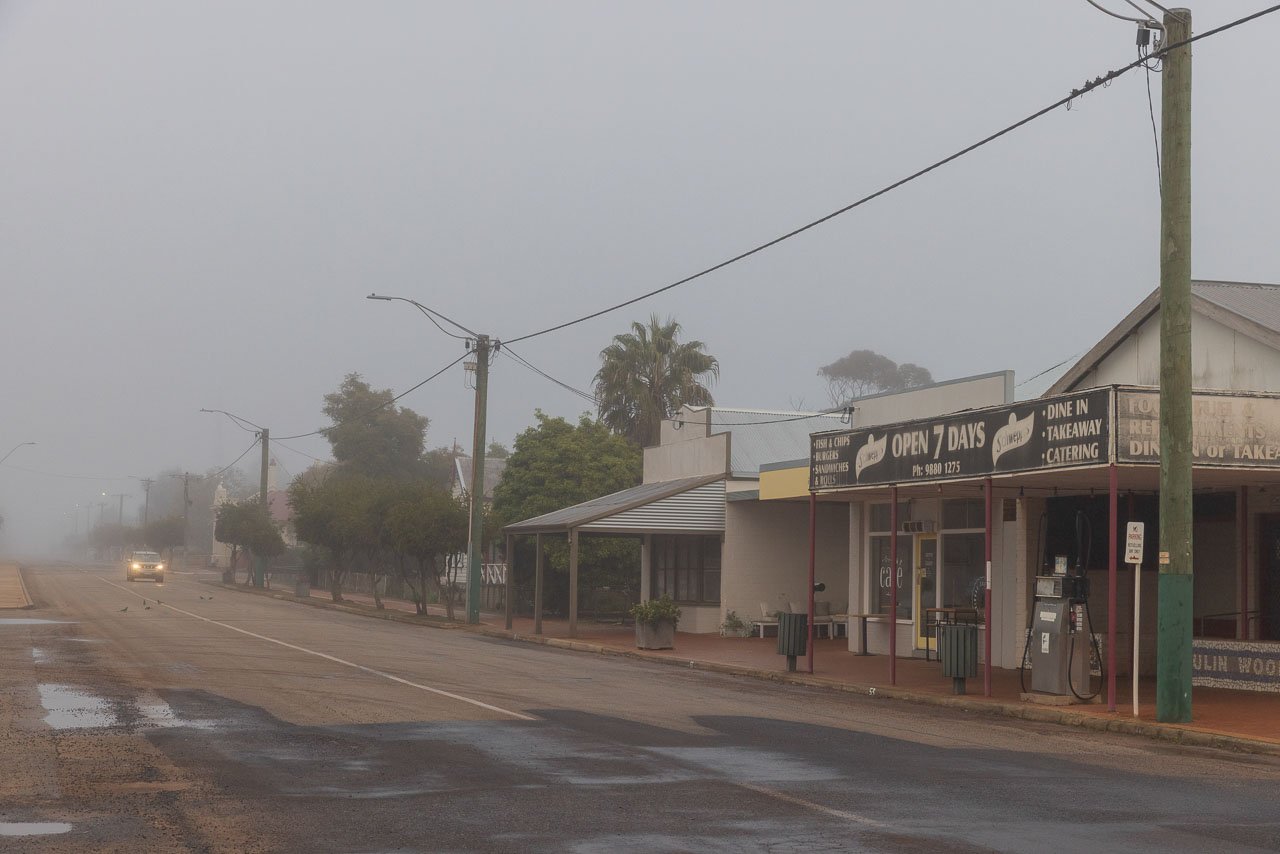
958 651
793 637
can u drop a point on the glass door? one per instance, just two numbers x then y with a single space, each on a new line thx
926 588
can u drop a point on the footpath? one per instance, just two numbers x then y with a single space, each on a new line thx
13 593
1233 720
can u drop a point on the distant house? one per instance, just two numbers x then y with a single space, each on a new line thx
460 483
282 515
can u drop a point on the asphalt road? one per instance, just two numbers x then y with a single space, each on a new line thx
220 721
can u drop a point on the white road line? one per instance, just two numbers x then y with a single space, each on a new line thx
327 657
843 815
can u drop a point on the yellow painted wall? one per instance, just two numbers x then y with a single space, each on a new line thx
784 483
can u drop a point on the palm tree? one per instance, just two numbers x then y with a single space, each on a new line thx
646 375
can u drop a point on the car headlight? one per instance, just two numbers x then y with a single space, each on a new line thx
159 567
137 566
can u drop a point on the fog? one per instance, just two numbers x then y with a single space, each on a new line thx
195 199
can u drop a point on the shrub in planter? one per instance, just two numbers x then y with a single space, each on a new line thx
656 623
734 626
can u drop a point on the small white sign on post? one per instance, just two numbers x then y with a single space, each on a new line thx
1134 540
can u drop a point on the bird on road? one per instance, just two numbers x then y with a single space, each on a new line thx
125 608
146 607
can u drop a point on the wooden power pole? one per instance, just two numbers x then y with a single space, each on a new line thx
1173 642
477 480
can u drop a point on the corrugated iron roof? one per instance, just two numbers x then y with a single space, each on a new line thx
607 505
1257 302
494 467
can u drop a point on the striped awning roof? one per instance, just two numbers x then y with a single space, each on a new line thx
616 510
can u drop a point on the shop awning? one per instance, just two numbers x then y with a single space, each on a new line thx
690 504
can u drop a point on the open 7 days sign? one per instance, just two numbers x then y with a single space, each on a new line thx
1057 432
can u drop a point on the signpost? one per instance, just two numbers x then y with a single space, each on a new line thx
1134 541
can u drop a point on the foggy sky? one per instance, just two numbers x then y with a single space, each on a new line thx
196 197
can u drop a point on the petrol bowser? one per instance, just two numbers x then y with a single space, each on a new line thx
1060 636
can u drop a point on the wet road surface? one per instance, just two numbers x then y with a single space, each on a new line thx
209 720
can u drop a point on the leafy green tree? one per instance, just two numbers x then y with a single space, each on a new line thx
316 503
555 464
646 375
371 434
864 372
423 525
247 525
497 451
437 465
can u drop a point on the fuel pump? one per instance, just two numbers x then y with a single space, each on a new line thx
1060 636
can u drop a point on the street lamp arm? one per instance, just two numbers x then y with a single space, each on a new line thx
14 448
236 418
431 314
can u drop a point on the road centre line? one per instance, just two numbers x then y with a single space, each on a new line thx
843 815
327 657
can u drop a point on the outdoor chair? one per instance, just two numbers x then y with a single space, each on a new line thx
822 618
768 617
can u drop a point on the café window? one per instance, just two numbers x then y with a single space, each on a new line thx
686 568
883 576
880 516
964 571
964 513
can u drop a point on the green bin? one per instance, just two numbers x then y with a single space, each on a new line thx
958 652
793 637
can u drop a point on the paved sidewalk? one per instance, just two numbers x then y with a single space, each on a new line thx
1240 720
13 593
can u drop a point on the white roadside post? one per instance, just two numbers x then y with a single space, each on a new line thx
1133 543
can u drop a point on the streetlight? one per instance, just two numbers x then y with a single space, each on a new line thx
14 448
481 345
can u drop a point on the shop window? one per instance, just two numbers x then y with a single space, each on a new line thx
880 520
686 568
883 576
964 571
962 513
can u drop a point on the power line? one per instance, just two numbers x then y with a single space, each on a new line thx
845 412
1155 135
220 471
296 451
1048 369
1107 11
379 407
521 360
1088 86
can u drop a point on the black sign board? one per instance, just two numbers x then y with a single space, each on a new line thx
1057 432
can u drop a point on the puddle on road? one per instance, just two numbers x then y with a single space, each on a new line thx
83 640
31 621
69 707
72 708
33 828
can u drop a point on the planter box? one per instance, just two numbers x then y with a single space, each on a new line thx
659 635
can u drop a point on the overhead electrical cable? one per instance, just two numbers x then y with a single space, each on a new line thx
233 462
521 360
1087 87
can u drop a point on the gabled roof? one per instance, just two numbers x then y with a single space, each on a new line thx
1252 309
566 518
494 467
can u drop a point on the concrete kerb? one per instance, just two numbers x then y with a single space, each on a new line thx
22 586
1023 711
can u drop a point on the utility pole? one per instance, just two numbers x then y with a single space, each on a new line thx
120 514
477 480
259 561
1173 641
186 507
146 503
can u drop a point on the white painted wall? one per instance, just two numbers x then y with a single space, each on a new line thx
695 457
1220 358
890 407
766 555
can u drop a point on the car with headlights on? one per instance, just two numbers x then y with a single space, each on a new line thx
144 564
